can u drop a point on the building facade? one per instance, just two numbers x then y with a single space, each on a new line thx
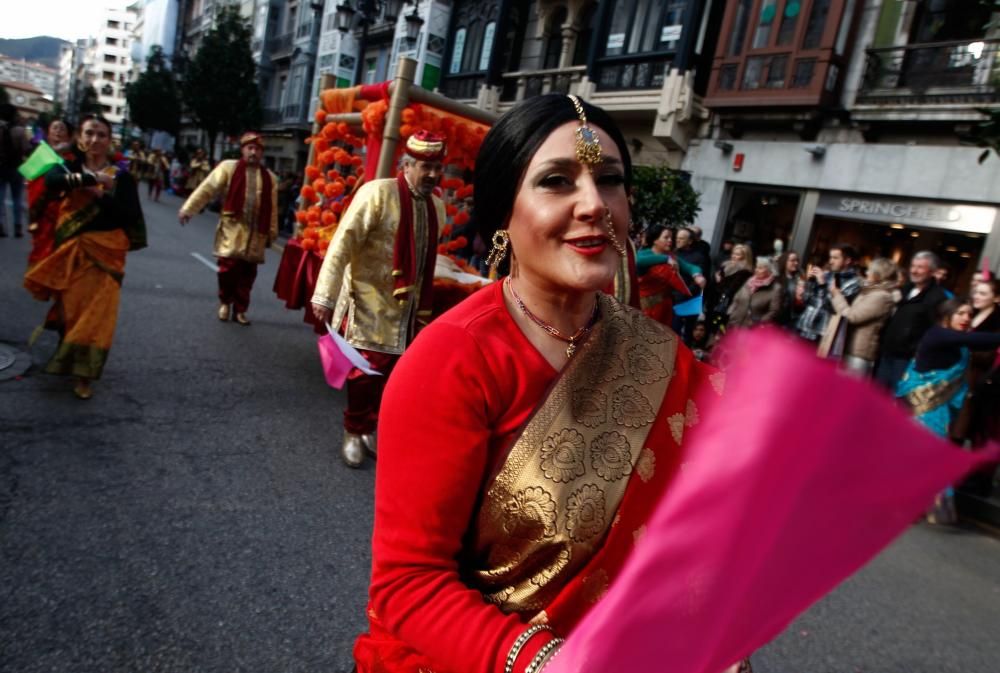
29 100
842 121
109 61
39 76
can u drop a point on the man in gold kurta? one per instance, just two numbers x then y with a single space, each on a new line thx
377 278
248 225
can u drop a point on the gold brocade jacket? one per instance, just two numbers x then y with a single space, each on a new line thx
356 277
236 235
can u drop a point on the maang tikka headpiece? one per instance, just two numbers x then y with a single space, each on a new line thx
588 143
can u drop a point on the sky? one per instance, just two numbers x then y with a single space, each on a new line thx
67 19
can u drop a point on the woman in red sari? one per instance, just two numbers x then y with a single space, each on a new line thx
528 433
44 210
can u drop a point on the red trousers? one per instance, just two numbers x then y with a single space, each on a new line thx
236 277
364 393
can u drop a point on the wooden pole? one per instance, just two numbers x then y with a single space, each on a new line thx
399 99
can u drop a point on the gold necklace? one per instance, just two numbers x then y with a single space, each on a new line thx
550 329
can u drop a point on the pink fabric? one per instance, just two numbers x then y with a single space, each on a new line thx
336 366
774 505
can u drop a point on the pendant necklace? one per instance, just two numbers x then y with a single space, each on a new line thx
552 331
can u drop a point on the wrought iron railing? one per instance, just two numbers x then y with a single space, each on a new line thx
942 72
520 85
639 71
281 46
463 86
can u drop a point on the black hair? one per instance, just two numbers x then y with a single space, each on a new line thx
95 118
509 146
65 122
653 232
949 307
847 250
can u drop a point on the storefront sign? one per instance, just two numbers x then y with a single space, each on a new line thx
939 214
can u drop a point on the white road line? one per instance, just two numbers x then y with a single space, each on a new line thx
207 262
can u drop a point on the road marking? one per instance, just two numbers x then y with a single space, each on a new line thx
207 262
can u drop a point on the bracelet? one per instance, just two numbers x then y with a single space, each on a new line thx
549 660
543 655
519 644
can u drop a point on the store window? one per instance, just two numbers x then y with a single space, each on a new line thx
959 251
759 217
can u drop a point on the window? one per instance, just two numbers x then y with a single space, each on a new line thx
804 69
106 109
738 36
457 52
816 24
114 24
111 41
109 58
473 42
789 21
108 76
762 35
640 26
553 43
107 90
488 36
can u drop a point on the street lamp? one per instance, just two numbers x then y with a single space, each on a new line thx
365 13
413 24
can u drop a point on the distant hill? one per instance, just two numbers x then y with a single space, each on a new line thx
41 49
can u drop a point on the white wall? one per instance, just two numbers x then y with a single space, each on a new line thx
921 172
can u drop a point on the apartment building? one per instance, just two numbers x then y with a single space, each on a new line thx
841 121
36 75
110 61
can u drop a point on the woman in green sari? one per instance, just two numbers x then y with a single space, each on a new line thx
99 220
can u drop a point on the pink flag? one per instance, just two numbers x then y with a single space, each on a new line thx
339 358
793 480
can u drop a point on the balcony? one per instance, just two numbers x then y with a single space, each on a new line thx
635 71
518 86
281 47
283 116
939 74
305 30
462 87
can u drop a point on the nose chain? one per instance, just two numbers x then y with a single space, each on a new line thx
553 331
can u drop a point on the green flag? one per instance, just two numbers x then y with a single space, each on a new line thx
40 161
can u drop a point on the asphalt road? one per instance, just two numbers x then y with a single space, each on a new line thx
195 516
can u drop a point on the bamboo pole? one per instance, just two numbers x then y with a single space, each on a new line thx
399 99
446 104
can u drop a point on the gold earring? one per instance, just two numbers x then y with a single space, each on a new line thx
615 243
501 241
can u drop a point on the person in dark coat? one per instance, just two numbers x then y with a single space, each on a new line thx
915 314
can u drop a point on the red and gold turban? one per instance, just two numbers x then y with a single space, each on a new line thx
251 137
426 146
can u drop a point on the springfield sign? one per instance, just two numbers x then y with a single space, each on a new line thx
938 214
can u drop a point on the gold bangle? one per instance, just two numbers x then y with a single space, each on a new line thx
519 644
543 655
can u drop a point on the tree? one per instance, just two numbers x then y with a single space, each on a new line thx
661 195
219 87
4 96
89 104
153 99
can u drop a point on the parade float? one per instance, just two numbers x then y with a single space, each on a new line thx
358 135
